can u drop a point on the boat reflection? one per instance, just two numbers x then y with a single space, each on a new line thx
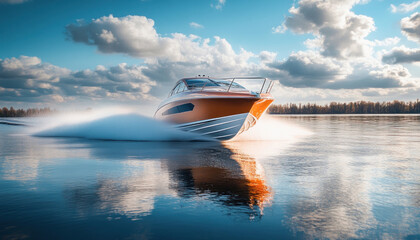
221 174
225 175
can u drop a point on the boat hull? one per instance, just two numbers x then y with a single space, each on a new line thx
220 118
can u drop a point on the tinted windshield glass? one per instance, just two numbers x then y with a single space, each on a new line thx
200 83
227 83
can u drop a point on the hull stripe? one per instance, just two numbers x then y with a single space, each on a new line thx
226 136
210 120
220 130
216 124
185 125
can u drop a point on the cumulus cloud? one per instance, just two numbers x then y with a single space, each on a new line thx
196 25
136 36
218 4
339 32
310 69
132 35
28 79
402 55
404 7
266 56
410 27
28 72
307 69
117 81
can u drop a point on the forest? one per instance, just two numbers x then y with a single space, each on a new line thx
359 107
30 112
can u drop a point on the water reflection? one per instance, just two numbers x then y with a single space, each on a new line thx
210 171
225 175
335 204
132 194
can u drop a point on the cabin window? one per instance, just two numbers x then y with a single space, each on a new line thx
179 109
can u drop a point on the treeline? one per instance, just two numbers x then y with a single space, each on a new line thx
30 112
360 107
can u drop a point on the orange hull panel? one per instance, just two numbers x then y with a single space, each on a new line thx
207 108
260 106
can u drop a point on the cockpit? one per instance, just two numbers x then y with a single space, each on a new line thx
220 84
201 83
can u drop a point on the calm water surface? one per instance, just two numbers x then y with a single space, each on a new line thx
354 177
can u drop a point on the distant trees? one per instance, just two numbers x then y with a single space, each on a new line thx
30 112
360 107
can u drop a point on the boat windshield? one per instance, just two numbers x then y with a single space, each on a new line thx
205 82
192 83
228 83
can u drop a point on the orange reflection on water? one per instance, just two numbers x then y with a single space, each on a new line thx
260 194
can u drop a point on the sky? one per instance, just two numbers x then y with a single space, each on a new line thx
91 53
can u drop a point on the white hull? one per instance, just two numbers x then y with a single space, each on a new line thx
223 128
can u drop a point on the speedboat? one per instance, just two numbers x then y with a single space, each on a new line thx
219 108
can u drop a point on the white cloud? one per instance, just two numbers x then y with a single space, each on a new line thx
386 42
218 4
266 56
404 7
410 27
132 35
107 36
310 69
28 79
339 32
28 72
196 25
136 36
402 54
279 29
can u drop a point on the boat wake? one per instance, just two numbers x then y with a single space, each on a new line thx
123 127
129 126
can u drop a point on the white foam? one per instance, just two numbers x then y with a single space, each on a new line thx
272 128
123 127
123 124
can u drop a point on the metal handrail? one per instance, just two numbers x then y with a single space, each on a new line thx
265 79
262 87
231 84
203 86
270 87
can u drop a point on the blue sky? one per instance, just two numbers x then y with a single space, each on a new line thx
38 26
39 30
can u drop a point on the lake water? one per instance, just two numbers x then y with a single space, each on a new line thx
314 177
